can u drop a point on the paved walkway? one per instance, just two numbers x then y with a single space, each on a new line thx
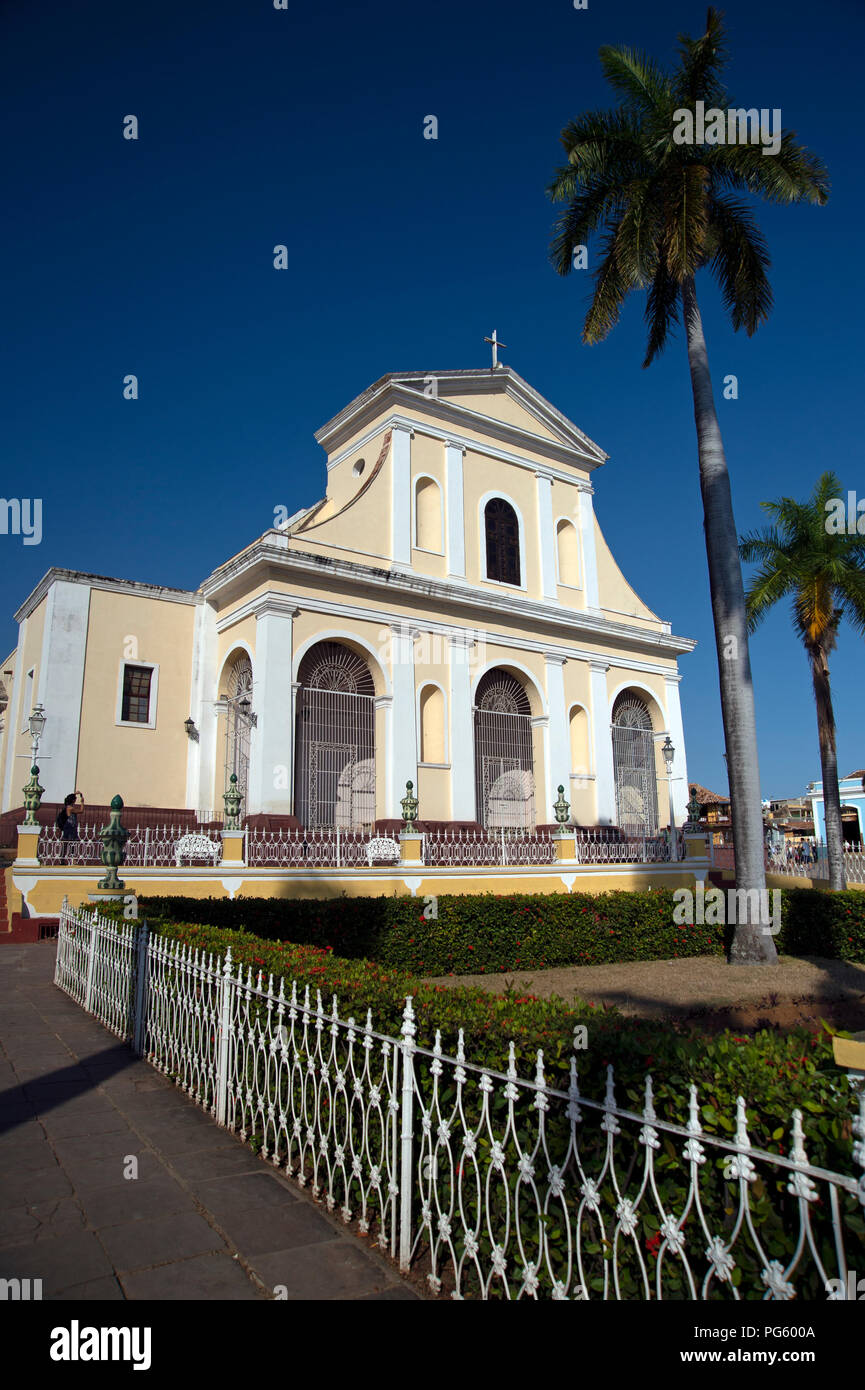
205 1218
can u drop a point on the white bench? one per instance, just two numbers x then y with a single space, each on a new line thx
196 847
382 849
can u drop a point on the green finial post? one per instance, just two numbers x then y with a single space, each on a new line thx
32 797
232 799
562 808
695 812
113 837
409 806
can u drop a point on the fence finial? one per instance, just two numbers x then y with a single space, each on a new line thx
409 1027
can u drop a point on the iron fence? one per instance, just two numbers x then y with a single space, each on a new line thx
149 846
493 1184
156 846
311 849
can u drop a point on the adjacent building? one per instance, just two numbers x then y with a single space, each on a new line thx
852 789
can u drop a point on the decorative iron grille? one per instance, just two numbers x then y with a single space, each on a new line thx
504 767
335 767
634 765
237 724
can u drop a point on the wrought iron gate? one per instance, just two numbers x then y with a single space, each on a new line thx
237 724
634 765
335 767
504 768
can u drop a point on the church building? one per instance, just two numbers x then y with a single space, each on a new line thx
449 613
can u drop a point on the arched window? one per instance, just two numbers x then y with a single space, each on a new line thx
504 766
237 697
432 725
568 554
427 515
634 766
503 541
335 739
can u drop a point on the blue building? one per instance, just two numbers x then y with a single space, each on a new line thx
852 790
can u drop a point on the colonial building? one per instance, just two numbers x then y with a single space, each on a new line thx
448 613
852 790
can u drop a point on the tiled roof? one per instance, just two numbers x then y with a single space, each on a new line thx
705 797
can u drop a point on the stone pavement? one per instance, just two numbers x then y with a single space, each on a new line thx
205 1218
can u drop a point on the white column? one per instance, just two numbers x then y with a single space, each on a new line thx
677 738
546 536
400 503
543 813
462 753
559 764
455 510
272 738
200 756
12 795
605 783
61 686
587 547
402 765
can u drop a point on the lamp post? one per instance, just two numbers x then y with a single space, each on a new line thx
669 751
37 726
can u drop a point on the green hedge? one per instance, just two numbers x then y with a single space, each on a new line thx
497 934
775 1072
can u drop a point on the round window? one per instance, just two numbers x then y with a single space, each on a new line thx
359 467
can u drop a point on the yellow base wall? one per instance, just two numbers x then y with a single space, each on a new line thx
43 890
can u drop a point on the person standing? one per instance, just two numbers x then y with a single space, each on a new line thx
67 824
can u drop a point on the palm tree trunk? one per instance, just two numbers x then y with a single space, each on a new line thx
752 941
829 768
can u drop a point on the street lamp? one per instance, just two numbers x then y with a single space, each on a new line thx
244 705
669 751
37 725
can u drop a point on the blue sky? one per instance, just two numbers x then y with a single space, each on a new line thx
305 127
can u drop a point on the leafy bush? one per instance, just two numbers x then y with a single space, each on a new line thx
817 923
492 933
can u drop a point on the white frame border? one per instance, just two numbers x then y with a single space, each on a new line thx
119 722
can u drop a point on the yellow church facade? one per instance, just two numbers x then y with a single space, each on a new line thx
449 613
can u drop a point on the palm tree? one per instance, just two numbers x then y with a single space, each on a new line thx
805 556
665 211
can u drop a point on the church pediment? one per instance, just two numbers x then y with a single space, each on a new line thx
499 403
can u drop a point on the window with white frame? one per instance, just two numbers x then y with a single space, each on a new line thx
136 694
502 539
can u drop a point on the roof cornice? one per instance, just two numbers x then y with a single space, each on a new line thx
132 587
274 549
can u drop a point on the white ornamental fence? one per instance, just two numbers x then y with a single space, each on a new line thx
452 848
854 866
149 846
492 1184
311 849
156 846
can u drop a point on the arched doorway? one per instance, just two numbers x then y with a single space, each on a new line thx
504 766
850 825
236 694
335 739
634 766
